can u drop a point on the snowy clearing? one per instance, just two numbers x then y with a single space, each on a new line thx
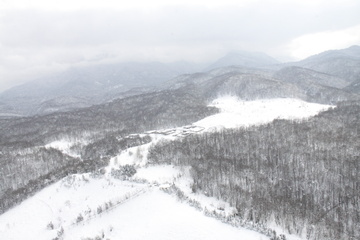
156 215
128 211
67 146
61 203
235 112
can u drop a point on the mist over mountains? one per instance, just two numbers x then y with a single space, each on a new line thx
245 59
86 86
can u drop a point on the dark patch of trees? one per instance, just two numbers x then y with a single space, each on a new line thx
12 196
304 175
112 145
124 172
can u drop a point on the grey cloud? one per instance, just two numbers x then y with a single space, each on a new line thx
38 40
171 25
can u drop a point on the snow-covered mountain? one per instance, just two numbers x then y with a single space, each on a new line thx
251 84
245 59
304 76
354 87
86 86
344 63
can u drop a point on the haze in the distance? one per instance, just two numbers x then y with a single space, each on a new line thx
44 36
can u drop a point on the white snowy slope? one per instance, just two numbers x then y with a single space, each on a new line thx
235 112
156 215
61 203
136 211
167 175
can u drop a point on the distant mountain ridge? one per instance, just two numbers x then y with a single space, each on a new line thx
245 59
305 76
350 52
83 87
262 85
344 63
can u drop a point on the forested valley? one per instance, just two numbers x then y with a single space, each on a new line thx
99 132
302 175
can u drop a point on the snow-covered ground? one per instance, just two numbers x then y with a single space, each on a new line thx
87 206
128 210
235 112
67 146
60 205
167 175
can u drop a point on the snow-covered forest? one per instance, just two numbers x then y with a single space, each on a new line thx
266 153
304 175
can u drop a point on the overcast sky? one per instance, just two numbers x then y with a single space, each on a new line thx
41 36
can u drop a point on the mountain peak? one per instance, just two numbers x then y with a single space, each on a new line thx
350 52
353 51
243 58
343 63
354 47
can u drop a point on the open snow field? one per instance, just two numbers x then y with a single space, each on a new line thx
138 211
88 206
61 203
235 112
156 215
